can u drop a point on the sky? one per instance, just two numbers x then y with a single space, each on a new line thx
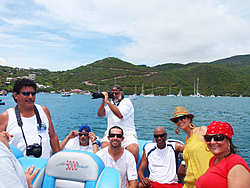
66 34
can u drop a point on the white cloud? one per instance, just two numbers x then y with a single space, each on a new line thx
143 32
3 62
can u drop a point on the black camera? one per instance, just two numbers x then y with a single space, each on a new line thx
97 95
35 150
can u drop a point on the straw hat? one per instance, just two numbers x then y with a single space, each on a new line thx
181 111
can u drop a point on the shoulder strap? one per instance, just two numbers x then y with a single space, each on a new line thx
20 123
38 118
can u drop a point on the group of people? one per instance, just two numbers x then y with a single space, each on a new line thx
208 153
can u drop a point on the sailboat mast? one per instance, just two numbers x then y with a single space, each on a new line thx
194 87
197 85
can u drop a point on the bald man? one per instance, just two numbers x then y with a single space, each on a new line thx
161 162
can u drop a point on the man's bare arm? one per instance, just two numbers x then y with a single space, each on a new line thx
54 142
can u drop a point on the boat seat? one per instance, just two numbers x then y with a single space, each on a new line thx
16 151
70 168
38 163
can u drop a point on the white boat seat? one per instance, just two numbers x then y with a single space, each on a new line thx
83 169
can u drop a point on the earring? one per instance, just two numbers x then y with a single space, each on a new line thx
177 130
191 126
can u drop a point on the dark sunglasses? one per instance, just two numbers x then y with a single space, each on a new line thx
85 134
160 135
216 137
117 135
27 93
176 120
115 93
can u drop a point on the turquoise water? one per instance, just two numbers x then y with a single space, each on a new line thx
69 113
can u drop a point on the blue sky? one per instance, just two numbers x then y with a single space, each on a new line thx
65 34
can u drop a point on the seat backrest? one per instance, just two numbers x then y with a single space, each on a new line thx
71 168
38 163
16 151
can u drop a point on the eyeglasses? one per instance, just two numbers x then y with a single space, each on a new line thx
216 137
27 93
84 134
117 135
115 93
160 135
176 120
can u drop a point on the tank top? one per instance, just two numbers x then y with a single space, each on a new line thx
196 156
31 131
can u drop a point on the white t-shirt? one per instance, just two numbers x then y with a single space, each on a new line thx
126 165
74 144
161 163
127 122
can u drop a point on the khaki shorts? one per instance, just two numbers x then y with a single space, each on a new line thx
129 138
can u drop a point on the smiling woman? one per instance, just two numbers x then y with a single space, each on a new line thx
226 168
195 154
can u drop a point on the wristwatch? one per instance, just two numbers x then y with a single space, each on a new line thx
183 163
94 143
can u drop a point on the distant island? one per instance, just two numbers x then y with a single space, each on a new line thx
224 77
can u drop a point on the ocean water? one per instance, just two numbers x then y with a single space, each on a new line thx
68 113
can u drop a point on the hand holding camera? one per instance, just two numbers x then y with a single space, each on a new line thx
97 95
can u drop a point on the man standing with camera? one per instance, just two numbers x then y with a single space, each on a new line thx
120 113
28 126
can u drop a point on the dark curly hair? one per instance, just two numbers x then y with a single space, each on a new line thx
24 82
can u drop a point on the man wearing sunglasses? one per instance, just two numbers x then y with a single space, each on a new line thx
119 158
83 140
29 131
161 162
119 112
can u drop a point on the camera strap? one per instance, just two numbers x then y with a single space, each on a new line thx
20 123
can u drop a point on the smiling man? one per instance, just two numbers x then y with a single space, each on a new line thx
28 126
83 140
161 162
119 158
120 112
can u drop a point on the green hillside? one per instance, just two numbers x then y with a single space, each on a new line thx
228 76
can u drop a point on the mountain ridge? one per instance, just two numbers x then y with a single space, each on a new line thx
229 76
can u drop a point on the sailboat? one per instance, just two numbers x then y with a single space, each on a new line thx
170 94
197 94
134 96
212 92
179 94
142 90
151 94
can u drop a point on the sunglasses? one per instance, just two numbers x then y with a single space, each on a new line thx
176 120
115 93
27 93
160 135
117 135
216 137
85 134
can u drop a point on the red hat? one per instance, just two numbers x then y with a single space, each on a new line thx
220 127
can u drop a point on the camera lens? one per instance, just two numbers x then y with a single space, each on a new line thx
37 152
